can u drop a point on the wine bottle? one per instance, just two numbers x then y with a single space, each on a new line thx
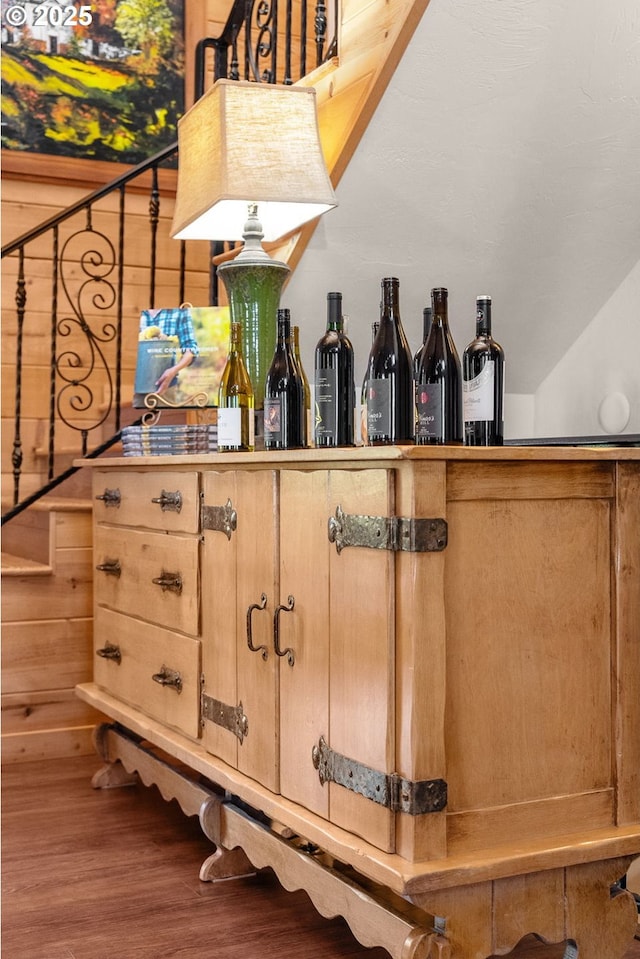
375 326
305 386
236 424
438 381
283 393
389 377
334 381
426 327
483 383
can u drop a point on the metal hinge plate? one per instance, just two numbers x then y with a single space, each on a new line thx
231 718
413 535
398 794
222 519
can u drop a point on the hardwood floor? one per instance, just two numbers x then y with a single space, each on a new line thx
113 874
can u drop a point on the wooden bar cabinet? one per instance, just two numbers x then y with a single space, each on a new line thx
407 679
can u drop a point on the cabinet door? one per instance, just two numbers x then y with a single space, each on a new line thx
238 571
341 629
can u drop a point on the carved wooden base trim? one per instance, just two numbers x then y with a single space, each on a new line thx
241 839
484 920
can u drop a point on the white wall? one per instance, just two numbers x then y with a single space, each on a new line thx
595 388
504 158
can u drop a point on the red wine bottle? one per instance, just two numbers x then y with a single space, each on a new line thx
389 376
427 313
308 434
438 381
283 393
483 383
334 381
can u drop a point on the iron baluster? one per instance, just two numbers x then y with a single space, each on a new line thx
154 216
321 30
52 370
117 387
303 37
21 303
288 42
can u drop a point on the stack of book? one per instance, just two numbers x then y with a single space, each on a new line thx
169 440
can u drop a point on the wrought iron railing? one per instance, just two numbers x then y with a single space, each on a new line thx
89 257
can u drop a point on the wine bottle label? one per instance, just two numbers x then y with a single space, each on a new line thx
231 421
378 409
429 409
326 420
272 420
478 394
229 426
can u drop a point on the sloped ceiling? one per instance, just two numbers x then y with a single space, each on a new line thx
503 158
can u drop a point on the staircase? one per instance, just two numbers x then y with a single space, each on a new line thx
47 576
46 550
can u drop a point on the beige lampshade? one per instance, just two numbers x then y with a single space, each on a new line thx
242 143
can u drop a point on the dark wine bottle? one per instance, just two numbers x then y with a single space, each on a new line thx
438 382
308 433
375 326
389 376
334 381
283 393
235 400
427 313
483 383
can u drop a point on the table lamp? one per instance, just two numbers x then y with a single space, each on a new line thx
251 167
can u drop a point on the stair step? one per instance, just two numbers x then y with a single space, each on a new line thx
31 538
19 566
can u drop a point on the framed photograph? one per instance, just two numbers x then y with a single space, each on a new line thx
182 353
102 80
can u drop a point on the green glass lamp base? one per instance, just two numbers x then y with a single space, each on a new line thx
254 282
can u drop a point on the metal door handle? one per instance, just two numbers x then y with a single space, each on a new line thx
289 653
261 605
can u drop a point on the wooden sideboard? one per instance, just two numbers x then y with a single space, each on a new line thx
407 679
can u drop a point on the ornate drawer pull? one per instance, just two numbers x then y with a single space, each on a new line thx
169 501
289 653
168 677
256 649
172 581
110 652
111 567
110 497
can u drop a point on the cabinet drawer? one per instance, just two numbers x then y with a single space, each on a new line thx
130 653
162 500
149 575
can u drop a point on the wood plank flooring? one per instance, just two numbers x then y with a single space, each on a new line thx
113 874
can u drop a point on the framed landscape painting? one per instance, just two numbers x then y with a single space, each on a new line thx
102 80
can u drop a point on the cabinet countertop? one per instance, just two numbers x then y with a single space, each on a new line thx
367 455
